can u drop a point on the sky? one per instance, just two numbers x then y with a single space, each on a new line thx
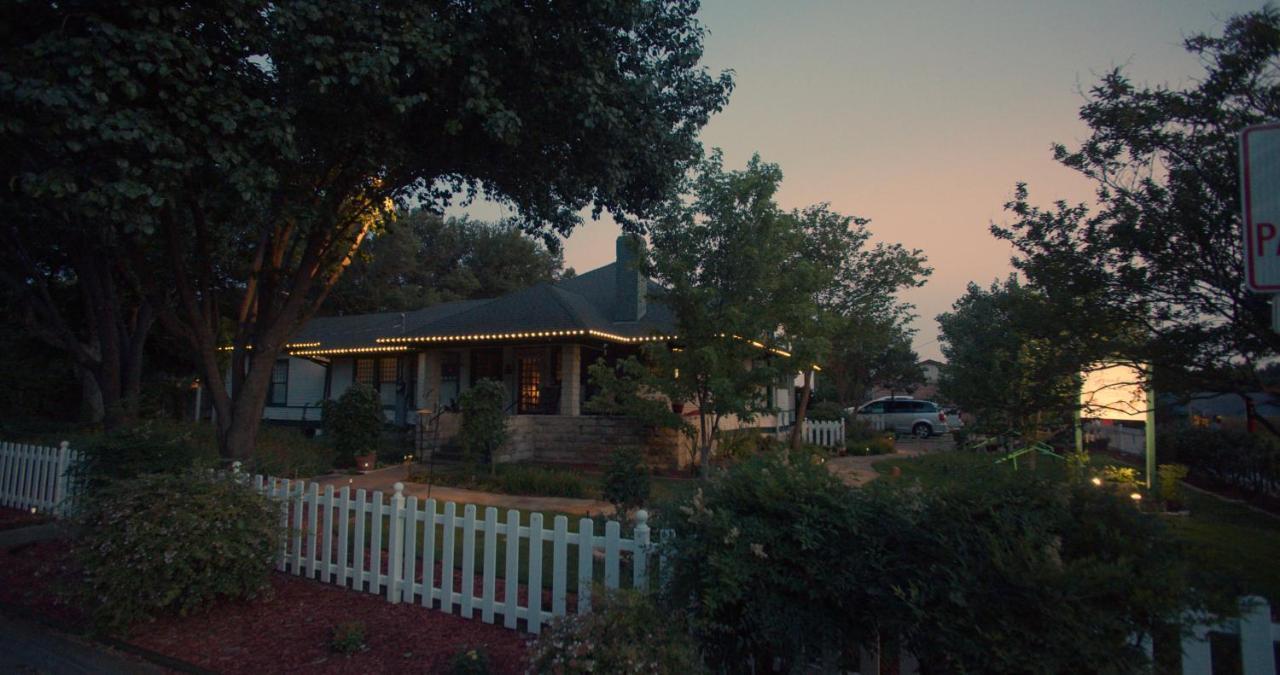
923 116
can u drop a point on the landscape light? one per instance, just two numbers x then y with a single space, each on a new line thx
1096 481
1137 496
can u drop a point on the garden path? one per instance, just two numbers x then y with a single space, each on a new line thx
857 471
385 480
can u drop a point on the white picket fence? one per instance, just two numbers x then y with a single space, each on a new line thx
1255 630
338 537
828 433
34 477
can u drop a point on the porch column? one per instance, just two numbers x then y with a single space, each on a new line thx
570 379
428 379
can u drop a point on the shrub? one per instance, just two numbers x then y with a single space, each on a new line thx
173 544
354 422
148 447
763 563
1124 476
348 638
470 661
860 429
775 562
285 452
1171 476
484 426
1248 462
825 411
739 444
625 633
1051 574
875 445
626 480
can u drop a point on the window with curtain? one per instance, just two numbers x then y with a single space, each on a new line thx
364 371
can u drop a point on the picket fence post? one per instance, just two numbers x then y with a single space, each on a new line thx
1257 638
60 495
640 559
395 553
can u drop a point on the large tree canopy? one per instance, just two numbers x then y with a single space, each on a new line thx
1153 270
236 152
423 259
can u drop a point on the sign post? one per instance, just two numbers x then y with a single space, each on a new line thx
1260 201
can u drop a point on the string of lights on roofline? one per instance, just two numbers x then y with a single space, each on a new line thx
524 335
288 346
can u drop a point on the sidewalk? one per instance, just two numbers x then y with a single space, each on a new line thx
856 471
28 647
385 480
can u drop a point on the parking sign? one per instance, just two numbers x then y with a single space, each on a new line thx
1260 191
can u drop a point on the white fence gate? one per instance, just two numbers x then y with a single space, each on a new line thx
339 537
1255 630
828 434
34 477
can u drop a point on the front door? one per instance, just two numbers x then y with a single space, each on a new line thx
530 381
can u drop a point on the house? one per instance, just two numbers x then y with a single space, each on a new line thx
538 342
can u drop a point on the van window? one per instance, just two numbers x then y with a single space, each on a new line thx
899 406
873 408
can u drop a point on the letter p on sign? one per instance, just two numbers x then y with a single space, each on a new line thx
1260 196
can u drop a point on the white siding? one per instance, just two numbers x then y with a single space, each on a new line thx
306 382
340 380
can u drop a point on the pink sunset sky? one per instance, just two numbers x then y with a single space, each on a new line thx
922 116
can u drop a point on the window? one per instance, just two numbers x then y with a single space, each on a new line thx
364 371
387 369
873 408
278 392
450 376
899 407
486 364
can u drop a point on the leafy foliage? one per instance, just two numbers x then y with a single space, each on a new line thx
129 452
629 388
626 480
354 422
1155 264
1005 363
470 661
1229 458
624 633
766 562
173 543
348 638
484 425
1171 476
232 156
422 259
777 560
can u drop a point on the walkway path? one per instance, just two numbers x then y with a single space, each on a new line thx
857 471
385 480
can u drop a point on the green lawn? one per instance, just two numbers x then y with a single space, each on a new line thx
1226 538
591 482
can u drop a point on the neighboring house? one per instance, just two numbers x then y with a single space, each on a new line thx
538 342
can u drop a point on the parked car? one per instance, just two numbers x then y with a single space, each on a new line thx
901 415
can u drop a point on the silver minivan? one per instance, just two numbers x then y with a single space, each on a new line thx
921 419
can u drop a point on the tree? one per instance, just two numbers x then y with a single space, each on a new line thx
1006 362
423 259
245 149
1157 260
866 351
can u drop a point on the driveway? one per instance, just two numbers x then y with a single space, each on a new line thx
857 471
386 479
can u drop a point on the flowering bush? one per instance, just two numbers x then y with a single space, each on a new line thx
625 633
173 543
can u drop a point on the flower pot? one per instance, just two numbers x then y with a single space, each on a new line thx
366 462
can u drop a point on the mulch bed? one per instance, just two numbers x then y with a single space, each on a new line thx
11 518
287 631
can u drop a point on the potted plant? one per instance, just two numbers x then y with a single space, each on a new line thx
354 424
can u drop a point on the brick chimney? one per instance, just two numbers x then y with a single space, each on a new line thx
630 285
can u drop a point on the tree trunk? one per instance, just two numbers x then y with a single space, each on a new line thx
797 430
90 396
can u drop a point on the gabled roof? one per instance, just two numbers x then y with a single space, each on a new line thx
582 305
